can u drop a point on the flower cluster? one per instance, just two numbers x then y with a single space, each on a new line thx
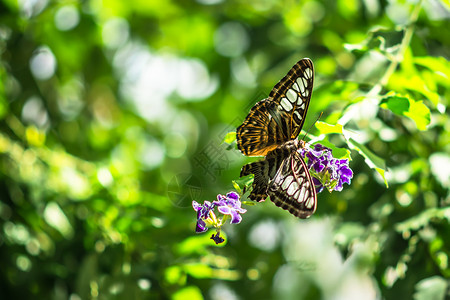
327 171
229 206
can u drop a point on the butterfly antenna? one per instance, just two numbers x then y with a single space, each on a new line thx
318 118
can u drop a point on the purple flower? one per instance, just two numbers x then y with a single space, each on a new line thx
327 171
227 205
230 205
203 213
344 172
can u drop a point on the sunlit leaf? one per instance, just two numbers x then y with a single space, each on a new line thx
230 137
419 113
194 244
439 65
189 292
174 275
198 270
412 82
404 105
325 128
341 153
237 187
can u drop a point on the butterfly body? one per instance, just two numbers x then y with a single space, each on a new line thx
271 129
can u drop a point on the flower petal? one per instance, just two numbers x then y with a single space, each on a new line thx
201 226
221 197
224 210
241 210
222 202
346 171
196 205
235 217
233 195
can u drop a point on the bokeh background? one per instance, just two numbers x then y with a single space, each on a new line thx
112 117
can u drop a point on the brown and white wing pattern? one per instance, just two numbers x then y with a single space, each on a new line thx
271 129
265 170
293 93
292 188
280 117
260 133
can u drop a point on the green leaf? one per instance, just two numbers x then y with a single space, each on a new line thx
198 270
189 292
412 80
419 113
397 104
251 203
174 275
325 128
405 106
339 153
243 182
194 244
372 160
431 288
237 187
230 137
435 64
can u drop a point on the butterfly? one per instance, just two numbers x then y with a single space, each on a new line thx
271 129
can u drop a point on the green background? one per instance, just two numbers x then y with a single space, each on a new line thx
112 117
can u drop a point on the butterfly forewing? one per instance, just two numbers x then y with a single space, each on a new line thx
293 92
259 133
279 118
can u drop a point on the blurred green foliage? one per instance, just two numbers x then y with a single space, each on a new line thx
112 120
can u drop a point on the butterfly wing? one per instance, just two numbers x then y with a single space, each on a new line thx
259 133
265 170
279 118
292 188
293 93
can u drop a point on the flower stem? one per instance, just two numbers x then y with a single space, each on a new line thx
398 58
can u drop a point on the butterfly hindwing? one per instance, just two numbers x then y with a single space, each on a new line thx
264 171
280 117
292 187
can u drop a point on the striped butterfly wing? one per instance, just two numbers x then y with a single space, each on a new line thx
292 188
280 117
265 170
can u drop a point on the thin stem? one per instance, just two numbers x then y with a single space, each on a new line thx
398 58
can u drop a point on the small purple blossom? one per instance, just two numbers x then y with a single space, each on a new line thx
344 172
230 205
203 213
327 171
226 205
